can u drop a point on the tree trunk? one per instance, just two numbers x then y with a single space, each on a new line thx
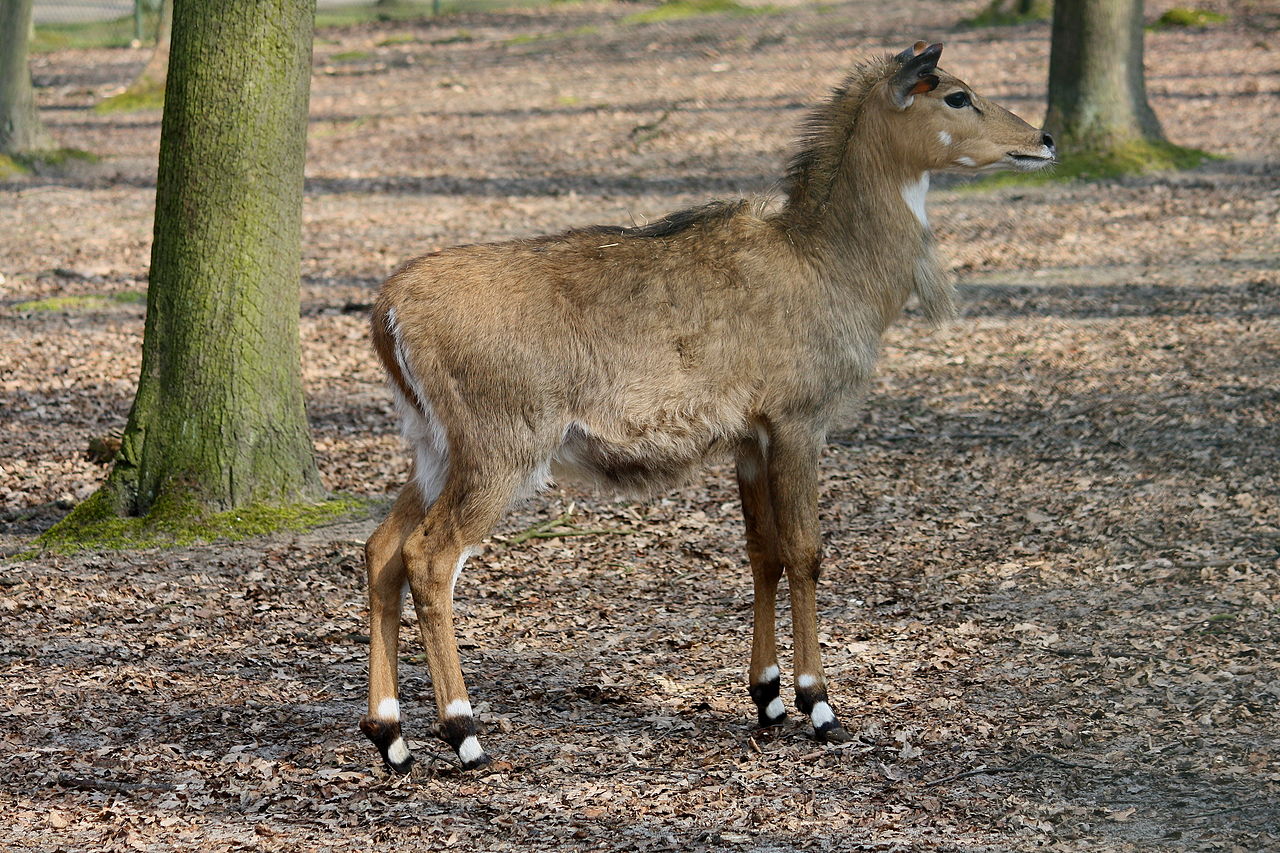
21 131
152 77
1097 94
218 421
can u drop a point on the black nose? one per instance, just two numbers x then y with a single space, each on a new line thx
1046 139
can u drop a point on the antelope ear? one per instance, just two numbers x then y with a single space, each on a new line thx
915 74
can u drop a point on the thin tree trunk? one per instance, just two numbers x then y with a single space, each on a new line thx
219 420
21 130
1097 91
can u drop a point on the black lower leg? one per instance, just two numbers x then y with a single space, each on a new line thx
813 701
767 696
387 738
460 733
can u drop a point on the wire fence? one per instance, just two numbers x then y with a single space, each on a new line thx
119 23
92 11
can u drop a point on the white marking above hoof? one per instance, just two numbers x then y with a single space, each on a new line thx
469 751
458 708
398 752
388 710
775 708
821 715
770 673
804 682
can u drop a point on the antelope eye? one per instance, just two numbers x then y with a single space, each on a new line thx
958 99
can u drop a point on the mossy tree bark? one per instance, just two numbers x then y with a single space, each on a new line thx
1097 89
21 131
218 421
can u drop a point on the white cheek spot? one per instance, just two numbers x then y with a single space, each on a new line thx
944 137
398 752
389 710
913 194
770 673
775 709
804 682
458 708
965 161
470 750
821 715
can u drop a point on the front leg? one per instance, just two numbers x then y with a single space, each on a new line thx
793 487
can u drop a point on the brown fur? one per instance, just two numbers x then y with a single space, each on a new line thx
631 356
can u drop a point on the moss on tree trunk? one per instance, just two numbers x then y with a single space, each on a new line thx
218 421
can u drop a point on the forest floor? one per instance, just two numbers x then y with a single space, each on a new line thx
1051 603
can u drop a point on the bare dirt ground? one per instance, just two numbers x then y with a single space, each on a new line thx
1051 607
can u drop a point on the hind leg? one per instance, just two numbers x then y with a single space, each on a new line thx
763 677
434 555
385 567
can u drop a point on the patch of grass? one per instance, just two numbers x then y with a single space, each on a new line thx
1133 158
116 32
997 15
94 526
531 38
460 37
352 56
11 168
1184 18
674 10
132 101
82 303
397 39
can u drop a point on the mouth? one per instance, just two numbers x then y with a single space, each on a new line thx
1030 162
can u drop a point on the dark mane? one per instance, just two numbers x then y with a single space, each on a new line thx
711 213
825 132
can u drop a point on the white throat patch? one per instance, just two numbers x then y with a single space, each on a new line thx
913 195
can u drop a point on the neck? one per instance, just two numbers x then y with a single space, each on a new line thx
869 232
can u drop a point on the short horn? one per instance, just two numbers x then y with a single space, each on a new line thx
915 76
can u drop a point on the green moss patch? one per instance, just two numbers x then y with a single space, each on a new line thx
95 526
398 39
674 10
11 168
54 160
1133 158
1183 18
82 303
131 100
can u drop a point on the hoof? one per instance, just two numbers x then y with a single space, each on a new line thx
477 762
833 733
764 721
390 743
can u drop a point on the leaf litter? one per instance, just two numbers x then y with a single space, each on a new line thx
1049 608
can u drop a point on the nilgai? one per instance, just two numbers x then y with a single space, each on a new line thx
632 356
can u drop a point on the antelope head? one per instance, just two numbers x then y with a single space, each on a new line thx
951 128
